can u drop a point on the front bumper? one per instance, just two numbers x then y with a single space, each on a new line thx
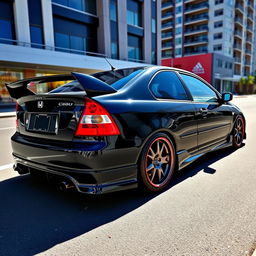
105 181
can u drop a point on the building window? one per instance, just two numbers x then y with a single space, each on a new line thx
74 37
218 24
134 48
218 12
113 29
178 51
217 47
81 5
178 20
6 23
178 40
219 2
134 11
36 23
178 9
217 36
167 53
178 31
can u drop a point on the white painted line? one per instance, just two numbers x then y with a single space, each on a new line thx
4 167
254 254
7 128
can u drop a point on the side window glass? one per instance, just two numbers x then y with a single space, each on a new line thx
166 85
199 90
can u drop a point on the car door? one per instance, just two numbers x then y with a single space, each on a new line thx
214 118
176 106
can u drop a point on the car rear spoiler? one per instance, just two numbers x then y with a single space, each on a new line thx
90 84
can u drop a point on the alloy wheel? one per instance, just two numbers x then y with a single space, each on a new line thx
159 162
238 135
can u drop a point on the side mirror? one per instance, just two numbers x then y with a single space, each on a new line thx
227 96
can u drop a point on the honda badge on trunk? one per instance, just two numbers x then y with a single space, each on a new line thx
40 104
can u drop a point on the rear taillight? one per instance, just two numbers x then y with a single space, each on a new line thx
17 109
96 121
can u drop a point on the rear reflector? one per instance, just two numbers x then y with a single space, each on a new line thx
96 121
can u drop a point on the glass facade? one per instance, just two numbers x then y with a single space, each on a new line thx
134 13
153 32
113 29
7 31
81 5
74 37
134 48
36 23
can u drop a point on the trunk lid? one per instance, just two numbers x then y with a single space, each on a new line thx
54 115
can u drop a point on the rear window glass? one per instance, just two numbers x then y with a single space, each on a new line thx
118 78
73 86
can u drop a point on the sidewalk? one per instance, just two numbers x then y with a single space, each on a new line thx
7 114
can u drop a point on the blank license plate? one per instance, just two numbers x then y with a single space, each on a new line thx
43 123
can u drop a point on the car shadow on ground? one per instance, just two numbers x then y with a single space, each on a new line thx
35 217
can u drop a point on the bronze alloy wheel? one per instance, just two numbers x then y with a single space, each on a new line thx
158 162
238 133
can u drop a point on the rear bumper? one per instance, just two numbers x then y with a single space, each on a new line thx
93 167
106 181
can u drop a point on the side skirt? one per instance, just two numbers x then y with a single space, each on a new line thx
185 158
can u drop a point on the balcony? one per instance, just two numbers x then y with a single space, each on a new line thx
247 63
167 4
167 24
196 50
238 46
196 18
239 7
166 35
239 20
237 60
248 52
167 54
238 33
166 15
250 16
167 44
196 40
196 30
249 39
198 7
250 5
249 28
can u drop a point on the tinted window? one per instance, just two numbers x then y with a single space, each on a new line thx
166 85
199 90
118 78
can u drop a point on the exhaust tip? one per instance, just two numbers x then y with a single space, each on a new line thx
64 185
20 170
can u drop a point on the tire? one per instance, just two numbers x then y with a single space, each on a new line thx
157 163
238 132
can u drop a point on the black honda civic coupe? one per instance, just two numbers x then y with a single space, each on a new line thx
120 129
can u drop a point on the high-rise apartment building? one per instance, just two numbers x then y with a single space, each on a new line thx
222 27
40 37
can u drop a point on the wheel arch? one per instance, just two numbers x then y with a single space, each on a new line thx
164 131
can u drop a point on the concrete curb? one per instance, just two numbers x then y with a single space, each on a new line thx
7 114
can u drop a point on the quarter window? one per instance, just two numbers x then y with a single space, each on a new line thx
199 90
166 85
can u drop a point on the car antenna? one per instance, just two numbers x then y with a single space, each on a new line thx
112 67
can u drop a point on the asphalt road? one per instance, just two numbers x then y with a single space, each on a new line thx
210 209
